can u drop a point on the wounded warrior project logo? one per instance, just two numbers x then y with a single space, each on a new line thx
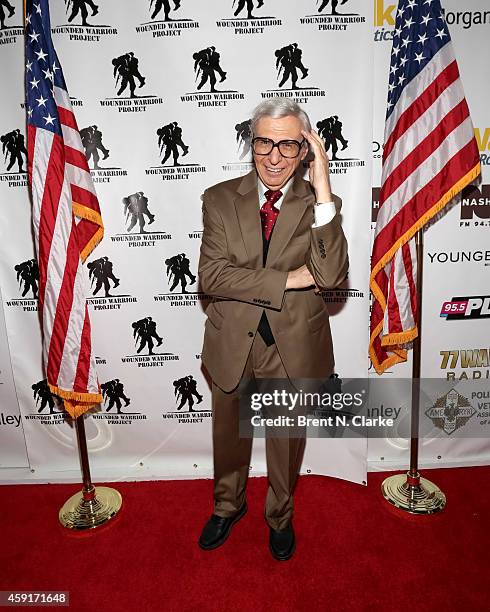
185 394
243 139
329 18
101 275
14 156
166 19
91 138
207 69
172 147
290 68
330 129
146 338
27 276
245 22
79 12
450 412
48 406
8 31
136 213
178 277
112 412
127 79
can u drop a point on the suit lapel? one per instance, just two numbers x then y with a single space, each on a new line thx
247 210
292 210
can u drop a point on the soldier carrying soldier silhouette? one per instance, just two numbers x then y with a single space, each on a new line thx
184 390
100 271
288 61
144 332
126 67
113 390
334 6
178 268
11 10
28 275
165 4
170 138
80 6
13 146
330 129
206 64
92 142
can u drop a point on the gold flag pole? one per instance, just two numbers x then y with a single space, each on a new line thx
92 506
410 492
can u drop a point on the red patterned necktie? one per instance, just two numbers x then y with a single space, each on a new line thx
269 213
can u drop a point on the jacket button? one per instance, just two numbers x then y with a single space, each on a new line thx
250 334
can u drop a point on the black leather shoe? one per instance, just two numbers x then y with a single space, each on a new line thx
217 529
282 543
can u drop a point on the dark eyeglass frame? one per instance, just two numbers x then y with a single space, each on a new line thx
278 145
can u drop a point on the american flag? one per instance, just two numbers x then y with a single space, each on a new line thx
66 218
430 155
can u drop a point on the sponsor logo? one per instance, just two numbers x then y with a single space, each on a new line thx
27 275
459 257
245 22
467 19
15 158
166 19
384 20
207 69
128 78
78 27
290 68
146 338
483 140
49 407
243 137
136 213
187 401
340 296
471 307
329 18
179 276
450 412
475 206
172 148
466 364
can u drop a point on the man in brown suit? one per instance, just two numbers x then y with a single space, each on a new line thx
271 240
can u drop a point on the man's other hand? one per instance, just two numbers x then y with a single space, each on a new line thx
299 278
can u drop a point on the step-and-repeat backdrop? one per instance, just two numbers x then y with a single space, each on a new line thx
163 91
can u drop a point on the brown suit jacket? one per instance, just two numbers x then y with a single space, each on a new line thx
231 270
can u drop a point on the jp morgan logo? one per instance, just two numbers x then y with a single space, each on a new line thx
467 19
384 20
96 154
332 15
291 68
84 22
465 364
48 406
450 412
172 151
115 409
249 18
27 277
179 278
243 140
167 19
330 130
15 158
209 74
8 31
459 257
128 81
467 307
136 210
147 339
188 402
101 276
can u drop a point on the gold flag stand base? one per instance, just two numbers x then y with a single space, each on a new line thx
90 509
413 494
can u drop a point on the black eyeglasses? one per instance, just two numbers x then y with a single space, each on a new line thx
287 148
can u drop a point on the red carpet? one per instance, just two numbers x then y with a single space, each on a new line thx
354 552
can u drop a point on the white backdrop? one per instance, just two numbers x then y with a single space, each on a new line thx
347 63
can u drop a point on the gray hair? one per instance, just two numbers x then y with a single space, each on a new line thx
277 108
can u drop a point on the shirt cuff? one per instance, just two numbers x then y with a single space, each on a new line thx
324 213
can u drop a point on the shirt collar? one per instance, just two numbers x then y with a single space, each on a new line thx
262 189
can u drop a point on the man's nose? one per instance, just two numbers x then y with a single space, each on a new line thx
274 156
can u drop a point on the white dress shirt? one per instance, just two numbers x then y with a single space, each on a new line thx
324 212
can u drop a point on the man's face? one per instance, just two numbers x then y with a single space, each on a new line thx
273 169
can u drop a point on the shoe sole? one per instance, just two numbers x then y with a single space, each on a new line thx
240 515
